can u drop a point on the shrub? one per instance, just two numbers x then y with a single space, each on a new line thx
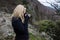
46 25
51 28
25 2
57 32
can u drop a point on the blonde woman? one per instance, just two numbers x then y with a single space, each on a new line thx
20 23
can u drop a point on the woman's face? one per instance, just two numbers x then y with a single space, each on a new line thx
24 10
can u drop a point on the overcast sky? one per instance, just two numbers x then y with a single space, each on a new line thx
46 4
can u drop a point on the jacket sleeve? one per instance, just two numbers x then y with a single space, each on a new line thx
26 20
17 25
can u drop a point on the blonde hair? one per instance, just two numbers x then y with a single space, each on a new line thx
19 12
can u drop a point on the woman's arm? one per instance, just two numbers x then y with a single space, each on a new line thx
27 17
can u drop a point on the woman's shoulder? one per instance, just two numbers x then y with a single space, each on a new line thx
16 19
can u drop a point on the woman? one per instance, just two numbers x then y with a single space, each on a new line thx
20 23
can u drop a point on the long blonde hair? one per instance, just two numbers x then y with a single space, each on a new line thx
19 12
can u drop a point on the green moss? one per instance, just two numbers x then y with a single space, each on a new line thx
25 2
46 25
32 37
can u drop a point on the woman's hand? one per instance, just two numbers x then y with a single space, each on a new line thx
27 16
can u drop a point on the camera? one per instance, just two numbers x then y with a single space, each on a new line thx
29 15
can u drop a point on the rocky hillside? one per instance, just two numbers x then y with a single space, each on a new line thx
35 8
7 32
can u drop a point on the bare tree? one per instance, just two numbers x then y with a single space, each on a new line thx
55 5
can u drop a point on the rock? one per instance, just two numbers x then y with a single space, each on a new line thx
2 21
6 30
44 35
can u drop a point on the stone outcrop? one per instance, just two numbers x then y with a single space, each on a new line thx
6 30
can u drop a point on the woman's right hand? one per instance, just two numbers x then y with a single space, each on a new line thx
27 16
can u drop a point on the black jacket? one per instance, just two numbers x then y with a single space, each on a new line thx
21 29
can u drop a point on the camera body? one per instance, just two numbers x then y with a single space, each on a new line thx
26 14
